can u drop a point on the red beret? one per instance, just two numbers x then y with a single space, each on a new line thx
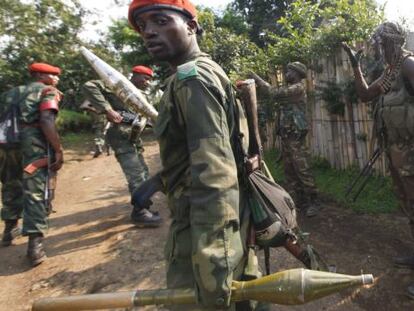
183 6
44 68
143 70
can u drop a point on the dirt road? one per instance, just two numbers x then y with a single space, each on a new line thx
92 247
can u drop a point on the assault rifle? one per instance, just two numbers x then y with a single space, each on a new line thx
364 176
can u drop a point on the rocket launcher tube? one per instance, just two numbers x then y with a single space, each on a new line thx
120 85
291 287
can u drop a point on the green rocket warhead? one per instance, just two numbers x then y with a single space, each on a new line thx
291 287
120 85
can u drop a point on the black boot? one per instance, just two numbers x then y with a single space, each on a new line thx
405 262
35 250
313 207
143 218
98 151
11 231
410 291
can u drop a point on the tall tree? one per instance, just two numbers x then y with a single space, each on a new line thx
261 15
43 31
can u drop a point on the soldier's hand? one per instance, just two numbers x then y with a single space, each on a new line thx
354 57
113 116
259 81
57 165
141 198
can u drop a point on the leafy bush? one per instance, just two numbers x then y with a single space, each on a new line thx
72 121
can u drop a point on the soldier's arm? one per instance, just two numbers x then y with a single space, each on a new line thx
49 107
283 93
214 196
365 92
92 91
408 72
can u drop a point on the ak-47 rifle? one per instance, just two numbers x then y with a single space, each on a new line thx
364 176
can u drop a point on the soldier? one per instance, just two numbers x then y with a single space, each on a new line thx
395 114
293 129
123 138
100 126
11 172
42 153
206 246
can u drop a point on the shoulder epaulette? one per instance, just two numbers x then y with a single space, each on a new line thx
187 70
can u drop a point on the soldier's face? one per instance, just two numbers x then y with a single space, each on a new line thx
292 76
167 34
48 79
141 81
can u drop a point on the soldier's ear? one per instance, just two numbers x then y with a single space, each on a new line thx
192 26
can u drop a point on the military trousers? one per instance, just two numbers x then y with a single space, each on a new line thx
99 122
299 178
12 184
36 204
179 254
129 155
401 165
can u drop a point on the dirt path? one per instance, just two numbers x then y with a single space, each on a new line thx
92 247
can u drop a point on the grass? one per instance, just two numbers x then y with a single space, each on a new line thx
70 139
377 196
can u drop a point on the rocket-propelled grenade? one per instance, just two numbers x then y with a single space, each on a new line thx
291 287
120 85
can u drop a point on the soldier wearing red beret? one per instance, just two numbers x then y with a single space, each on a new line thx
206 247
42 156
124 137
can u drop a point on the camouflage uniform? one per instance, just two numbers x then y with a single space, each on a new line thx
10 172
99 122
128 153
34 146
293 128
397 116
205 247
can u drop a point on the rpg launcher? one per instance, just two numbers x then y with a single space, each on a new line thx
121 86
291 287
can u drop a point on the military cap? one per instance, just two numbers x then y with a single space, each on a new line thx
139 6
44 68
143 70
298 67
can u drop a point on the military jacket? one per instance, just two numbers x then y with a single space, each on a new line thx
194 129
32 99
397 110
292 105
101 97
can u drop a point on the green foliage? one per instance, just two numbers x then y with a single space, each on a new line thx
234 52
310 29
377 197
44 31
332 95
261 16
72 121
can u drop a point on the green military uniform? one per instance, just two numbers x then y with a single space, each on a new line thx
397 117
293 128
34 146
195 129
10 170
99 122
127 152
